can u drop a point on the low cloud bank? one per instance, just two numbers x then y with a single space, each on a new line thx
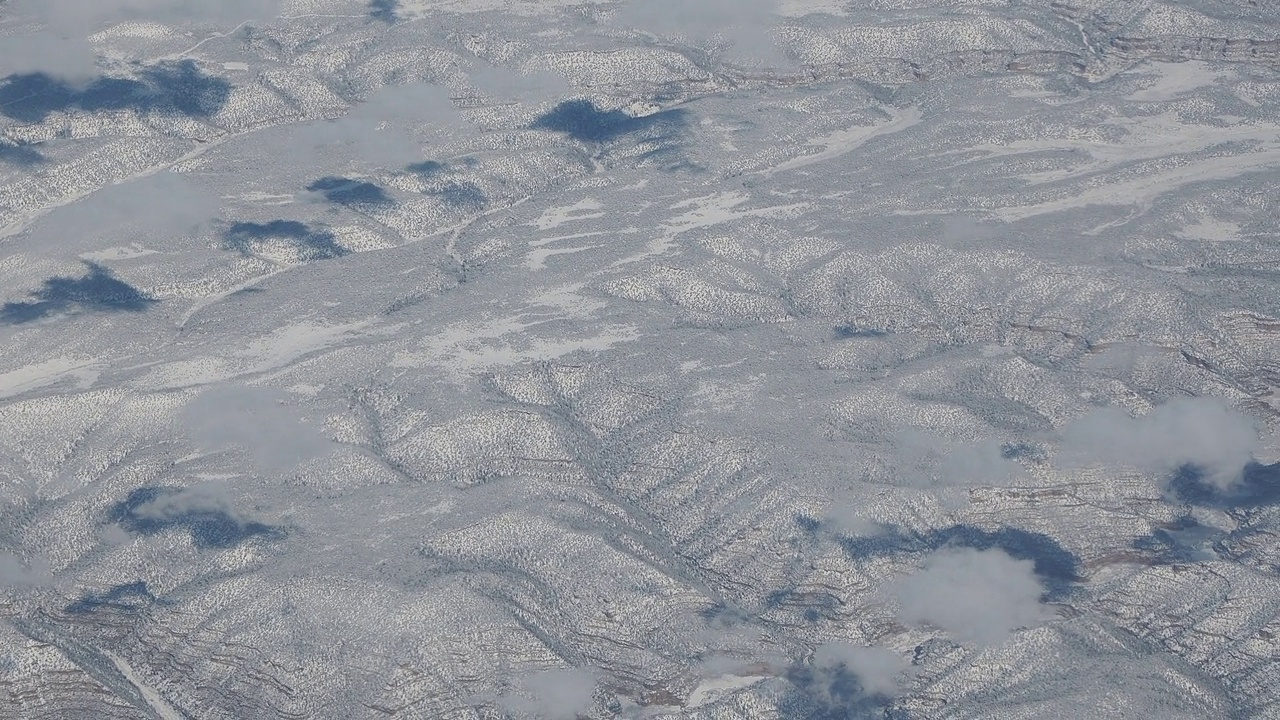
747 25
15 573
375 131
150 210
1204 432
253 420
558 694
62 48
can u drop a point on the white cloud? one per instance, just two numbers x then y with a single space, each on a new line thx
507 84
1205 432
877 669
926 460
152 208
978 596
421 103
82 16
14 573
746 24
843 518
203 498
560 694
696 19
114 535
376 131
69 58
254 420
62 48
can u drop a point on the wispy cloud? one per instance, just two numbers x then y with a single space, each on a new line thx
166 507
205 511
375 132
559 694
154 208
747 25
506 84
65 15
1204 432
62 49
926 460
256 421
16 573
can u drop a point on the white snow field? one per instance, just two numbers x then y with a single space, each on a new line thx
708 359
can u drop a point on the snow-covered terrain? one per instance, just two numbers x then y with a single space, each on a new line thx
652 359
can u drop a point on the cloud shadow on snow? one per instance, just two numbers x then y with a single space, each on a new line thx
384 10
120 597
1259 486
98 290
175 87
20 154
426 168
1057 567
829 694
583 121
345 191
316 244
210 527
463 195
849 331
1183 541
